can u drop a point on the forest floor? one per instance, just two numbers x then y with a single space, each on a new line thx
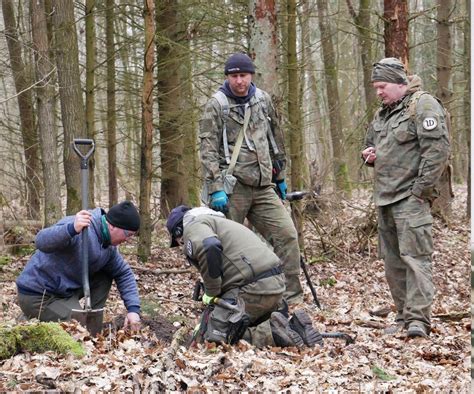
340 242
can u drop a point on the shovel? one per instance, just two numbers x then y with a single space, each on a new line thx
90 318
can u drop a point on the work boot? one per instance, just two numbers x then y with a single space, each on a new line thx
394 328
301 323
416 329
294 292
283 335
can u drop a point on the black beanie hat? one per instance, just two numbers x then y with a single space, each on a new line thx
239 63
124 216
175 219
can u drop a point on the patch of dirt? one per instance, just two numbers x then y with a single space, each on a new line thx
159 325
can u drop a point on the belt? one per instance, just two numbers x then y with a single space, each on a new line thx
266 274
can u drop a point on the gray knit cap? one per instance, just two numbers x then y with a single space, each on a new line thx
389 70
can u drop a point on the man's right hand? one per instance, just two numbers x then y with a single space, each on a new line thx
219 201
368 154
81 220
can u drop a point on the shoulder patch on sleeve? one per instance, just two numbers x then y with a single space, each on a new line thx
430 123
189 248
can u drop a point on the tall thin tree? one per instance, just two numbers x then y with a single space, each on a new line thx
146 159
90 88
22 78
111 117
332 91
45 92
70 93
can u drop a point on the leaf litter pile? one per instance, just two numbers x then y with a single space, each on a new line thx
341 255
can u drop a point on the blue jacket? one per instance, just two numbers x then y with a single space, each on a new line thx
55 267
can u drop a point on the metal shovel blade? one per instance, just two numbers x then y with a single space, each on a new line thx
92 319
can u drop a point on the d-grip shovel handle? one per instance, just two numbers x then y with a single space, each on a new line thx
85 192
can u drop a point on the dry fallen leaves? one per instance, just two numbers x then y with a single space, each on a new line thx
120 361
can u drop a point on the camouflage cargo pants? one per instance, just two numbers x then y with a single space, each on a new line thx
265 211
406 245
258 308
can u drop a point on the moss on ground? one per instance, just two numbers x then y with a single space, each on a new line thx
37 338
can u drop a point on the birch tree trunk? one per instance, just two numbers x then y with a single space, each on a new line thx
111 117
332 91
22 78
45 93
146 160
70 93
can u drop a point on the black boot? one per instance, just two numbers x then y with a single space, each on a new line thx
301 323
282 333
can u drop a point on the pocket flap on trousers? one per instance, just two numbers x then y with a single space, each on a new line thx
421 221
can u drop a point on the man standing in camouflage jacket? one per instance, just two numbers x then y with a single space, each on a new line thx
409 152
259 167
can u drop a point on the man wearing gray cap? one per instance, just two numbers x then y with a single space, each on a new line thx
407 145
243 163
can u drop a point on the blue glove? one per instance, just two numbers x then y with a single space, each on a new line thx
281 188
219 201
207 300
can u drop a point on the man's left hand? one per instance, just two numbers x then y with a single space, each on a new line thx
132 321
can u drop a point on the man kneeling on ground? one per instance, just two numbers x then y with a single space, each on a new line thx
243 282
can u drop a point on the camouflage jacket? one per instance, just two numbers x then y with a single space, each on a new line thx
244 256
411 151
254 163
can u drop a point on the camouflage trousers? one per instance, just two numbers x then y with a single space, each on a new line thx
266 212
406 245
258 308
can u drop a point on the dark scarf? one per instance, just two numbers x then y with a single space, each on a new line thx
241 101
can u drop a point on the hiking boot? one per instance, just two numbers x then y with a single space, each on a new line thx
301 323
294 292
394 328
283 335
416 330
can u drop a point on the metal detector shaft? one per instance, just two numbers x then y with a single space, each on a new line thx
310 284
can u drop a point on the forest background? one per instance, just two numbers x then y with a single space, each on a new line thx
133 76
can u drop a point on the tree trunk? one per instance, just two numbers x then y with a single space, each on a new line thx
264 44
174 126
332 91
362 24
45 93
317 138
146 170
22 78
467 97
70 93
294 119
90 90
396 30
111 118
442 205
